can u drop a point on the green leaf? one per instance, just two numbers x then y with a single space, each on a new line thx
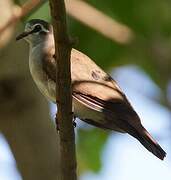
89 149
42 13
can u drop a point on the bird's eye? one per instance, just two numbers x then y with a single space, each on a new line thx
37 28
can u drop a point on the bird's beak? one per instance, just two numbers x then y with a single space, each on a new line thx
23 34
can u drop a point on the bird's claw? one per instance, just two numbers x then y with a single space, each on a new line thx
74 119
57 124
73 122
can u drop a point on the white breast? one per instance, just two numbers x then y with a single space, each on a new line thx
46 86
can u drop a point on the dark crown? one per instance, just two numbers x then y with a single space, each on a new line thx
45 24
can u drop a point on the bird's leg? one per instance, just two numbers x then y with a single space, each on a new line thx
56 117
73 120
57 123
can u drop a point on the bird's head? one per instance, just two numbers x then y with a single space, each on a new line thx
36 31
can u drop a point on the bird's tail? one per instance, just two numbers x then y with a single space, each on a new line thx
149 143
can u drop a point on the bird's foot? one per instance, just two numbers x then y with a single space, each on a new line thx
74 123
74 120
57 124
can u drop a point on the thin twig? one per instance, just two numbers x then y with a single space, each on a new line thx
19 12
63 91
98 21
84 13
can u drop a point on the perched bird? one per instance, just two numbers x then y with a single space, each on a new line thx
97 99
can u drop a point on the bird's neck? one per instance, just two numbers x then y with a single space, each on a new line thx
38 51
42 43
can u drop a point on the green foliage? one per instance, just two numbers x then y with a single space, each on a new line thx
42 13
89 148
150 21
95 45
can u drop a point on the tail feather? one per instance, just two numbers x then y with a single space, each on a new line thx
147 141
150 144
141 134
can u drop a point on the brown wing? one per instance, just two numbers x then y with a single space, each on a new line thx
98 89
118 113
49 63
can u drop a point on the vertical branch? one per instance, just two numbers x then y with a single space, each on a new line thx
63 91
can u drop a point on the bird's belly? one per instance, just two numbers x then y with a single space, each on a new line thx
93 117
46 87
83 112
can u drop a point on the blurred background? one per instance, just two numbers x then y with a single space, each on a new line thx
132 41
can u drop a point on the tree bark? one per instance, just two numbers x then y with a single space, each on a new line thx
63 91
